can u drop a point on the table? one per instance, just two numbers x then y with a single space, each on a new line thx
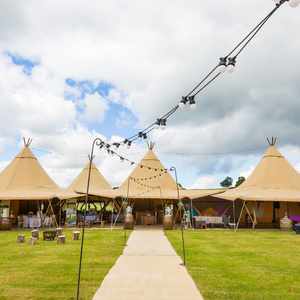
208 220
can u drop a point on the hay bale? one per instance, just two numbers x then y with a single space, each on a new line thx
21 238
61 239
76 235
35 233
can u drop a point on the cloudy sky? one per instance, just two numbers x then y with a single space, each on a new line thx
74 70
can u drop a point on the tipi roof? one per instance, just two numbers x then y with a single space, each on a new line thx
150 180
273 179
97 181
25 179
149 177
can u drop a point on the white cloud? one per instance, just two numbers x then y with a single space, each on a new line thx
205 182
152 54
95 108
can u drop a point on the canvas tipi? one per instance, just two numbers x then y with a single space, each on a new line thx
149 179
273 179
273 182
25 179
97 181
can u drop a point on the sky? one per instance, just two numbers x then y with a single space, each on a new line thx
71 71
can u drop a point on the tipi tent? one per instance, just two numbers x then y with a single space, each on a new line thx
150 178
273 181
97 181
24 187
25 179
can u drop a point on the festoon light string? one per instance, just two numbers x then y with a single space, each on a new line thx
106 146
225 63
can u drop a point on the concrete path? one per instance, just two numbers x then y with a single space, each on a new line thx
148 269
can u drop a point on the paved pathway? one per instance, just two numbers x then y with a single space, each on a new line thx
148 269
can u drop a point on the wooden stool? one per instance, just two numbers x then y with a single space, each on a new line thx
35 234
59 231
76 235
61 239
33 241
21 238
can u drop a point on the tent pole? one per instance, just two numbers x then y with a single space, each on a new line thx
118 215
192 212
233 211
112 214
255 219
59 216
238 223
252 220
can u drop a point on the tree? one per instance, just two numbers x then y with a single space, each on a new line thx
180 186
227 182
240 180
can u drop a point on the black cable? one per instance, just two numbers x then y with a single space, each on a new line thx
256 32
223 62
208 83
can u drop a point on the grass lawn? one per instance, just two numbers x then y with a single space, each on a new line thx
245 265
49 271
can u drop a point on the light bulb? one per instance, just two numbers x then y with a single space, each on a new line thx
162 127
294 3
181 105
221 69
230 68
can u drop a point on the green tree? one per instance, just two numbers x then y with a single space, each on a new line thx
227 182
240 180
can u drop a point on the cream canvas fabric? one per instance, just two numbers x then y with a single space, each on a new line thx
97 181
25 179
273 179
162 187
148 167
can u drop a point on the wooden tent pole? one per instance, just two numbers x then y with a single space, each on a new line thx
118 215
51 208
112 214
238 223
233 210
255 218
59 215
191 216
252 220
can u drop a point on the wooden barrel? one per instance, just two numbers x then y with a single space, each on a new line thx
128 222
168 222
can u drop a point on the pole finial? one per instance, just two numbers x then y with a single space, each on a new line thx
27 142
272 141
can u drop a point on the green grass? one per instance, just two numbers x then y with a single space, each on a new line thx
247 265
49 271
